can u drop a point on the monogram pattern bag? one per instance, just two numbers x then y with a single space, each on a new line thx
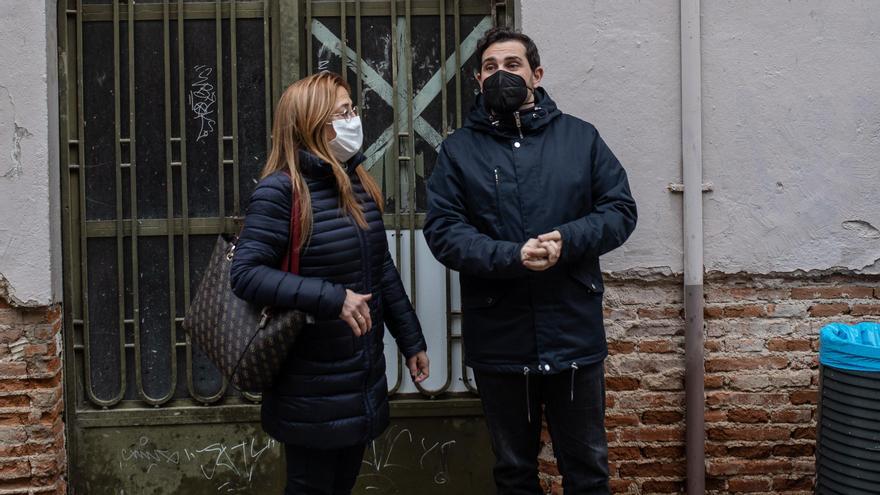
247 342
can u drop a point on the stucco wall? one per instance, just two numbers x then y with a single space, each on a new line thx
791 133
29 194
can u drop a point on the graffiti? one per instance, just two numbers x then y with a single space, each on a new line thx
233 464
393 451
202 98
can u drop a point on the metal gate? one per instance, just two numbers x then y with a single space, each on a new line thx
166 107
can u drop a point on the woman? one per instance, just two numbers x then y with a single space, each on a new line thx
330 399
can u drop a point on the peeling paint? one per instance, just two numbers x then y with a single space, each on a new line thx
7 295
18 135
862 229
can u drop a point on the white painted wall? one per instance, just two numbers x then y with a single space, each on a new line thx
30 248
792 134
791 115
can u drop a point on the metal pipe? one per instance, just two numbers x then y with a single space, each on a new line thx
692 164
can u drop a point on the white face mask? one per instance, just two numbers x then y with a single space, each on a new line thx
349 138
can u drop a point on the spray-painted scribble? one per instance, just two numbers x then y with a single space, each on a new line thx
231 464
380 460
202 98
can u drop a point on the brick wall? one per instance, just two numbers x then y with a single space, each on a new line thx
32 455
761 359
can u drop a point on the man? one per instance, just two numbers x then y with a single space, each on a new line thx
523 201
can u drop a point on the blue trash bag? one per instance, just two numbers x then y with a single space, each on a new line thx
850 347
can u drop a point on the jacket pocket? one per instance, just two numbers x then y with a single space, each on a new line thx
479 296
592 282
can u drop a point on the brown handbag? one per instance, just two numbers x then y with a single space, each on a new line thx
246 342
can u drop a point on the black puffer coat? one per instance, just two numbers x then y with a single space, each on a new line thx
498 184
332 391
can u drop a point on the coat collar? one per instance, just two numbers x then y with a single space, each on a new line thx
313 166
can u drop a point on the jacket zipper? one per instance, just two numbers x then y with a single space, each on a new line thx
498 197
528 399
518 124
368 285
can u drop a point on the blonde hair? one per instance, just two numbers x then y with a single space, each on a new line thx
301 115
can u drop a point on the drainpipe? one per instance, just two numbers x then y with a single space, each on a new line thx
692 171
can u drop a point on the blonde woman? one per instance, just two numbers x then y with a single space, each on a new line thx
330 399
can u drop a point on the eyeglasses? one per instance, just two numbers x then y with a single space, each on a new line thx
347 115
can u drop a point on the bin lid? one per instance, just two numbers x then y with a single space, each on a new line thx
850 347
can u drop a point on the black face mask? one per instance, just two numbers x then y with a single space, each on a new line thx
504 92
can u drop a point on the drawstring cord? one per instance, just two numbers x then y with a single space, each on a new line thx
574 368
528 401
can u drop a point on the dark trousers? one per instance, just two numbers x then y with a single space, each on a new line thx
322 472
575 409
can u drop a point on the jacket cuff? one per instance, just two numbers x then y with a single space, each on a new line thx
331 302
412 350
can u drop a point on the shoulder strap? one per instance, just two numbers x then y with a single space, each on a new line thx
290 263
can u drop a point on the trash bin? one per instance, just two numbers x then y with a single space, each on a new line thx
848 442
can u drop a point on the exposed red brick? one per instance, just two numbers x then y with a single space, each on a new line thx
752 433
548 467
735 485
746 363
617 486
749 451
748 415
673 452
790 484
747 467
652 469
745 311
624 453
621 383
715 416
661 417
657 486
621 347
794 450
613 421
800 397
866 310
791 416
830 309
657 346
713 381
658 434
660 313
808 433
788 345
851 292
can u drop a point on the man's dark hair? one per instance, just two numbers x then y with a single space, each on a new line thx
503 33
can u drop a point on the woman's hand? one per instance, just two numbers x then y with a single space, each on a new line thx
356 312
419 367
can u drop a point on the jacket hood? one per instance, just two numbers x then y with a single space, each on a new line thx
532 120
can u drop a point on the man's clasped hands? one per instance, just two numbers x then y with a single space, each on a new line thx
543 252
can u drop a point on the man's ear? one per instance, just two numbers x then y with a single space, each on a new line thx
479 77
538 75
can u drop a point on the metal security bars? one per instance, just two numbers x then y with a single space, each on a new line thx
166 111
166 107
412 76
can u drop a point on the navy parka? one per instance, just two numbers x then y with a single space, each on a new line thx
496 185
332 391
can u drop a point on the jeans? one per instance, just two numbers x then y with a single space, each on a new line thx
322 472
574 405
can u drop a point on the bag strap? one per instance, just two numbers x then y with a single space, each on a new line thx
290 263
